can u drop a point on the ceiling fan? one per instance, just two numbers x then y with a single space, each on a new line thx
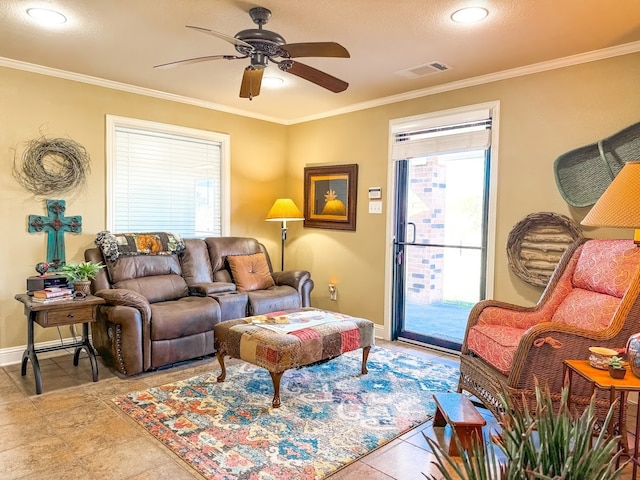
262 46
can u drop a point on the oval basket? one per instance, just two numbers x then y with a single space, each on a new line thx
536 244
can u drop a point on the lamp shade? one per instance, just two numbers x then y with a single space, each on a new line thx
284 210
619 205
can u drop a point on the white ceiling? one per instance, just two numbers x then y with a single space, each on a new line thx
121 40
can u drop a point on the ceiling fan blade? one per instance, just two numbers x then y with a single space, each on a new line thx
251 82
316 49
316 76
196 60
228 38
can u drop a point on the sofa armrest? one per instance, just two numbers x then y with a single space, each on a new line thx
211 288
293 278
127 298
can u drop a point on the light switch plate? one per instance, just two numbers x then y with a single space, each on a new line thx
375 207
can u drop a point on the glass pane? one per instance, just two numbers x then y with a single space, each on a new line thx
444 271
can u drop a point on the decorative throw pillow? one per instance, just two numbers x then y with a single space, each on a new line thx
250 272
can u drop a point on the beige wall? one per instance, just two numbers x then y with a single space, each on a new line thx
31 104
542 116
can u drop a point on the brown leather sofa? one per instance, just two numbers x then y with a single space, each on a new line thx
206 269
161 309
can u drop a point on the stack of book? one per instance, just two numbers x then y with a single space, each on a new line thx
53 294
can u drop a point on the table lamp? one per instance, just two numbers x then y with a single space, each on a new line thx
619 205
284 210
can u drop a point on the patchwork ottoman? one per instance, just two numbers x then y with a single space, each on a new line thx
282 340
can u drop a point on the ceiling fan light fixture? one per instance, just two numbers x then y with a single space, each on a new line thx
469 15
272 82
45 15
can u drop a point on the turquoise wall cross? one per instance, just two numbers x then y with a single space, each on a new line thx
55 224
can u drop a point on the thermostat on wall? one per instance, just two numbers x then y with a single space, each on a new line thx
375 192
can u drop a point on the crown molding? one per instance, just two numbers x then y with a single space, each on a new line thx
101 82
578 59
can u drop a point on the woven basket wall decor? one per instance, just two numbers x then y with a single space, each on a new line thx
583 174
536 244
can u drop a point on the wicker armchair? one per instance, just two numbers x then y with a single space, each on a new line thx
592 299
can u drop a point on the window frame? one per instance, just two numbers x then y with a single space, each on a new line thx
114 121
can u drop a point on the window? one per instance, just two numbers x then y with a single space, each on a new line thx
166 178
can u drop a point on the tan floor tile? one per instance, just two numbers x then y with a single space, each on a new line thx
57 471
127 459
62 400
359 471
22 434
18 412
402 461
48 452
167 471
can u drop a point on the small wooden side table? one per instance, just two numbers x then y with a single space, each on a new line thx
600 379
54 314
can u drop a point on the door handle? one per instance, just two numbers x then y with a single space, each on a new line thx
414 231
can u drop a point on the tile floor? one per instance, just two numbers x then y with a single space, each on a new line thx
73 431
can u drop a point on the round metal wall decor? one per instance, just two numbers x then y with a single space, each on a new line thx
536 244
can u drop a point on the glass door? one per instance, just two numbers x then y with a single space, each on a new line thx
440 245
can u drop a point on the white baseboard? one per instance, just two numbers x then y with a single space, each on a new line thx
13 355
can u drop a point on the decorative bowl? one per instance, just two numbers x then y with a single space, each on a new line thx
600 357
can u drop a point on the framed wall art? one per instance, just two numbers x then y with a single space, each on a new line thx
330 194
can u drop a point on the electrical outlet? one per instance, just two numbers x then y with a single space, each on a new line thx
333 292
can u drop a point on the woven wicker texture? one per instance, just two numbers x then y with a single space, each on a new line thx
541 362
536 244
582 175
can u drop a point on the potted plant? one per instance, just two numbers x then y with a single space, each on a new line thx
81 274
543 443
616 369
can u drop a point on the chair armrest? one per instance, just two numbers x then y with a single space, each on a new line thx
545 346
213 288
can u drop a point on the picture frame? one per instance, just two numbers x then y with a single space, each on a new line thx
330 196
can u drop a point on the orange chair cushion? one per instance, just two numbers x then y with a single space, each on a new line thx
607 266
589 310
497 346
250 272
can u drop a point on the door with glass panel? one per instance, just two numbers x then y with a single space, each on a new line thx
440 244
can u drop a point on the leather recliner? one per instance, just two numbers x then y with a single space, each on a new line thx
150 320
205 265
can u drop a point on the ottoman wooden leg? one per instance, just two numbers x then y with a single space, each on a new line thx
275 377
223 374
365 356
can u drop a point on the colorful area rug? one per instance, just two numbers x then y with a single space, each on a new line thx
330 414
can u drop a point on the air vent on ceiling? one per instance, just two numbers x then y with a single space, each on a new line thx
423 70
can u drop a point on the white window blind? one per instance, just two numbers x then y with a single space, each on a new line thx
423 139
166 178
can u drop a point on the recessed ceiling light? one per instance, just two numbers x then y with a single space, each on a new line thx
272 81
469 15
46 16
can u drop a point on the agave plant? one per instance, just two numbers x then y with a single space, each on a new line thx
542 445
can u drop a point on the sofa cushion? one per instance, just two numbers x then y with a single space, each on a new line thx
250 272
184 317
157 288
273 299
